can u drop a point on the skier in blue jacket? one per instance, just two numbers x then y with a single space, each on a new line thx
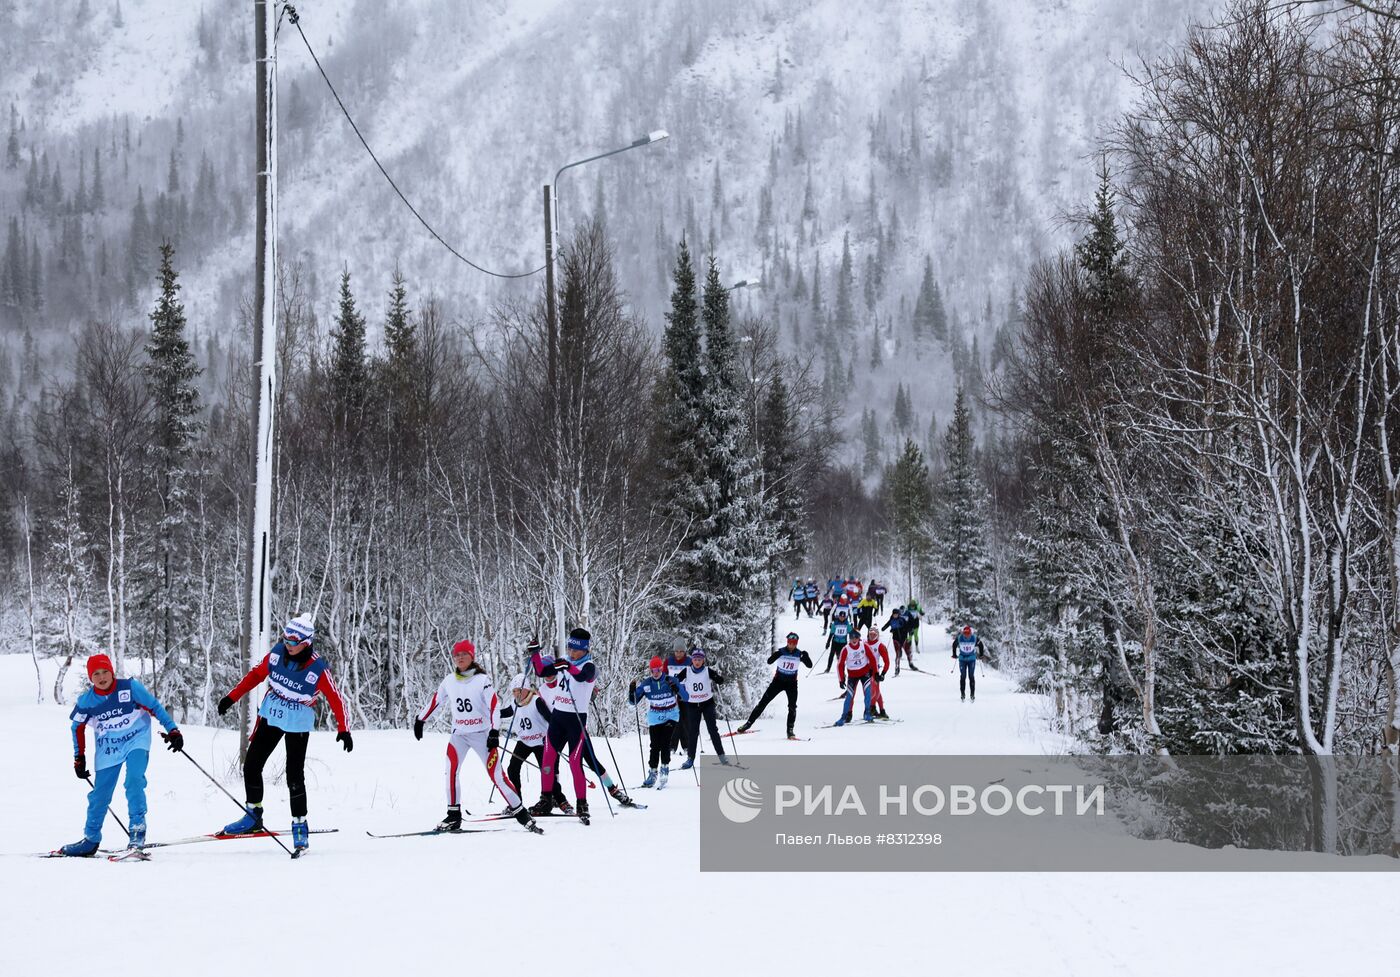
662 695
119 711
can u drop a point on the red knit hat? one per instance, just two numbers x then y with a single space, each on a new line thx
99 662
464 647
656 662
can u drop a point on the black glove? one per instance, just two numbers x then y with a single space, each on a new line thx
345 738
632 689
174 740
225 704
80 766
493 740
883 674
418 729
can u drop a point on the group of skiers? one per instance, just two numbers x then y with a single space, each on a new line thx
547 712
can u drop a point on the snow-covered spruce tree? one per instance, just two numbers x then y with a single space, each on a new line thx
177 429
348 379
740 536
911 506
960 538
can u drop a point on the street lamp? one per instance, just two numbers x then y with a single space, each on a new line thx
551 229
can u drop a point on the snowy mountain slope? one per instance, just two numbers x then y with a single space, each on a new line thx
507 900
968 123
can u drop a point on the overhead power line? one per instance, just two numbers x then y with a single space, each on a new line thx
296 22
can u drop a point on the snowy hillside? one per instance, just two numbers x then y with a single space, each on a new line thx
504 900
959 131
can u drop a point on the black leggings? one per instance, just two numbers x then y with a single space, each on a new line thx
522 752
706 710
775 687
260 746
661 742
834 654
680 736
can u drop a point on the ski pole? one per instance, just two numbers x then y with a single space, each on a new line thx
640 755
729 726
239 804
109 807
586 743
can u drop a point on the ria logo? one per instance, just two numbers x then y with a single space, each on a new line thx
740 800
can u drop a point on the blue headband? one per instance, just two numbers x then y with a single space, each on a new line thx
578 644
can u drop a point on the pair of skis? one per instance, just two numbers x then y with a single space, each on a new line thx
142 854
794 739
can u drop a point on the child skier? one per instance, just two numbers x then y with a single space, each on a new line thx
698 688
529 715
827 603
799 594
472 698
854 667
676 664
788 658
662 696
120 711
295 675
896 626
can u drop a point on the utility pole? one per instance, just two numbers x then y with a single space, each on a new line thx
257 582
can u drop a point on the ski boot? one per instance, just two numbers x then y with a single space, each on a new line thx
689 762
651 778
661 780
882 714
723 760
840 722
301 836
562 805
544 807
582 810
743 728
522 814
913 667
138 835
250 823
869 717
453 821
620 795
80 849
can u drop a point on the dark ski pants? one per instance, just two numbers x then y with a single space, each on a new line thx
518 756
661 742
260 746
680 736
834 654
775 688
703 710
826 618
967 681
901 647
853 682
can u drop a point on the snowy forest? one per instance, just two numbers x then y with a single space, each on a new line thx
1133 423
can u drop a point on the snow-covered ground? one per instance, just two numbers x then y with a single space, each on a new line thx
623 895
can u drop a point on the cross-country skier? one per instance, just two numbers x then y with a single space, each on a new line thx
698 688
119 711
529 716
854 667
676 664
877 590
662 696
295 675
880 656
865 612
967 648
897 626
799 594
471 697
912 615
809 597
788 658
837 635
568 719
827 603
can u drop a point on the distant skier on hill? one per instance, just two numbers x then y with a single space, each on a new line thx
119 711
788 659
898 627
967 648
295 676
809 597
827 603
